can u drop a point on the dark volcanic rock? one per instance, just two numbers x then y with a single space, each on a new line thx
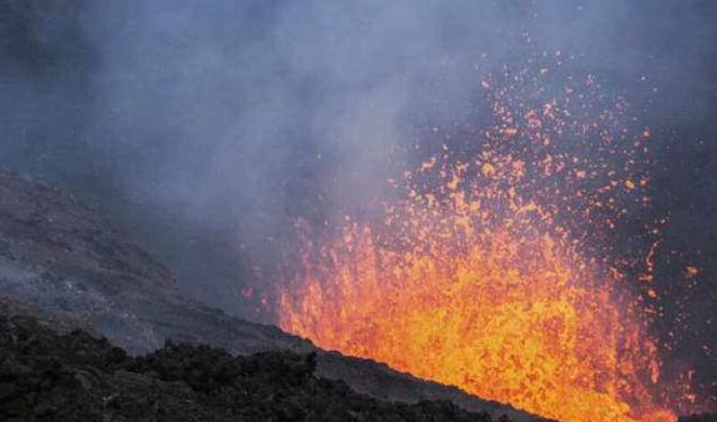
47 376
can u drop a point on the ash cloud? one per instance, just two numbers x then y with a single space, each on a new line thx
205 127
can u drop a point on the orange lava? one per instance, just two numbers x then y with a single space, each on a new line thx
483 275
512 321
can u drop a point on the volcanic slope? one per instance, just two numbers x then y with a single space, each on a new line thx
46 375
59 257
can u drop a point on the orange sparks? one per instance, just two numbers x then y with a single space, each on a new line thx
693 271
476 278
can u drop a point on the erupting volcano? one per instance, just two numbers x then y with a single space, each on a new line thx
496 270
417 211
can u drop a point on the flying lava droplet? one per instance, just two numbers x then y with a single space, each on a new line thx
486 276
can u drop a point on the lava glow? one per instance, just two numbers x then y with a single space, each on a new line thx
493 273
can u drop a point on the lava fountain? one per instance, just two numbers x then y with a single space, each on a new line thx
492 272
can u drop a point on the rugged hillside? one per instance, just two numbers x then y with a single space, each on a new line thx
60 258
47 376
57 254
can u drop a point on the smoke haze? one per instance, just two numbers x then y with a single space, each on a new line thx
204 128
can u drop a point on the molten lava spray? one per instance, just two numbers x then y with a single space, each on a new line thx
491 272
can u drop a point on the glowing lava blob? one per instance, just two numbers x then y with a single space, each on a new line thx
483 275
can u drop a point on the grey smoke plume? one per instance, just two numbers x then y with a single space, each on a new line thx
204 127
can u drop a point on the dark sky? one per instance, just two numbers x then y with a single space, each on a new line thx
203 128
